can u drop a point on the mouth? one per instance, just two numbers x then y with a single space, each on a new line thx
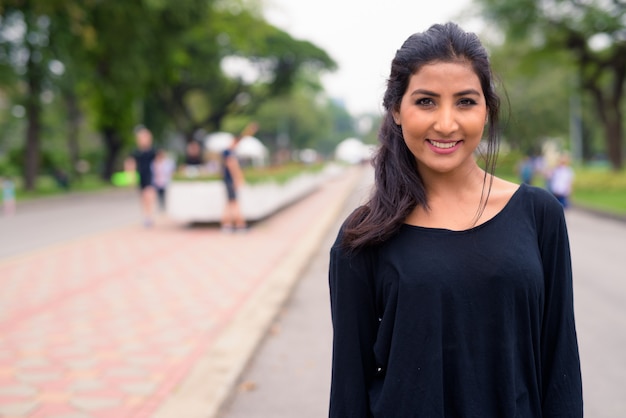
443 144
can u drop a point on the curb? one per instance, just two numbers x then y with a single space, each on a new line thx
212 380
599 213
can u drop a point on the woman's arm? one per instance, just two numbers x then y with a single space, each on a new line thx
354 331
561 375
235 171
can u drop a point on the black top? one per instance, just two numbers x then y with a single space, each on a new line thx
227 176
143 161
470 324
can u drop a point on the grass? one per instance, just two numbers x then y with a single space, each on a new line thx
600 189
255 175
47 186
594 187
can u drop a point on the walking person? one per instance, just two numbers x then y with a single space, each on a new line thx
561 181
233 178
451 289
163 168
142 159
526 169
8 196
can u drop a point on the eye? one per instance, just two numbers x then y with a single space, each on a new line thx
467 102
424 101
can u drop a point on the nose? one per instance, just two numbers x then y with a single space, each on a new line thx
446 121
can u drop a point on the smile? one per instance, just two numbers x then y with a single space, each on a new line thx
443 145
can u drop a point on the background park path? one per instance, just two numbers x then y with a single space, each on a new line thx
101 317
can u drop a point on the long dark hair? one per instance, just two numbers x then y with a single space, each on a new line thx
398 185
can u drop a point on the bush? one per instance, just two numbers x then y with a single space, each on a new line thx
254 175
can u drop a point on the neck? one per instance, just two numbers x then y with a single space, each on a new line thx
467 182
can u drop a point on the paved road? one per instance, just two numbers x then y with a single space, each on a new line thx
599 262
291 369
102 318
54 220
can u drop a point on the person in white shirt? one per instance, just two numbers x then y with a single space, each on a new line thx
561 181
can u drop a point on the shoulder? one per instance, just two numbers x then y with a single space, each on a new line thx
540 205
539 197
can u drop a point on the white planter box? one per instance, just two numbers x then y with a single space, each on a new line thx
203 201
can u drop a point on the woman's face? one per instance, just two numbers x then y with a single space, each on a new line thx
442 115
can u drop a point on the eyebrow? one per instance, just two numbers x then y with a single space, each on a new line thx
431 93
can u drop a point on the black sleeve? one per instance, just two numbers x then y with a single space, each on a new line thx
560 362
354 331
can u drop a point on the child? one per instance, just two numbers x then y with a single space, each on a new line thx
8 196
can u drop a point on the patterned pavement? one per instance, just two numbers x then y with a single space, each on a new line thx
110 325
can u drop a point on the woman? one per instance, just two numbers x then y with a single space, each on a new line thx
233 178
451 289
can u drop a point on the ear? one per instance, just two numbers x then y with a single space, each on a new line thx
396 117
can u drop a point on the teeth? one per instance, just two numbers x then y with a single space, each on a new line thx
443 145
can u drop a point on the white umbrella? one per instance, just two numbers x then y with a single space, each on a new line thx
218 141
253 149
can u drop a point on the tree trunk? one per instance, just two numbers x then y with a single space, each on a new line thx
611 119
113 145
32 153
34 76
73 120
613 131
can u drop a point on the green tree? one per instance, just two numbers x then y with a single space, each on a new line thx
230 65
24 38
537 86
124 53
118 63
594 33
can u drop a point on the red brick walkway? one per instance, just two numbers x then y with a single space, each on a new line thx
108 325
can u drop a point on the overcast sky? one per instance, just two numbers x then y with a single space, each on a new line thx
362 37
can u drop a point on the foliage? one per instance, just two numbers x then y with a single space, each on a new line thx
507 164
49 187
600 189
593 33
246 62
535 87
107 66
256 175
600 180
303 118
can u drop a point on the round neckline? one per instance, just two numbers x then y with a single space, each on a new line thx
489 221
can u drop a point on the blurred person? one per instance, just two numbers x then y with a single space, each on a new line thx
193 154
526 170
561 181
61 178
450 288
233 178
163 169
141 161
193 160
8 196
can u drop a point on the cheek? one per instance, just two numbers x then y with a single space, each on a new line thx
475 125
413 142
